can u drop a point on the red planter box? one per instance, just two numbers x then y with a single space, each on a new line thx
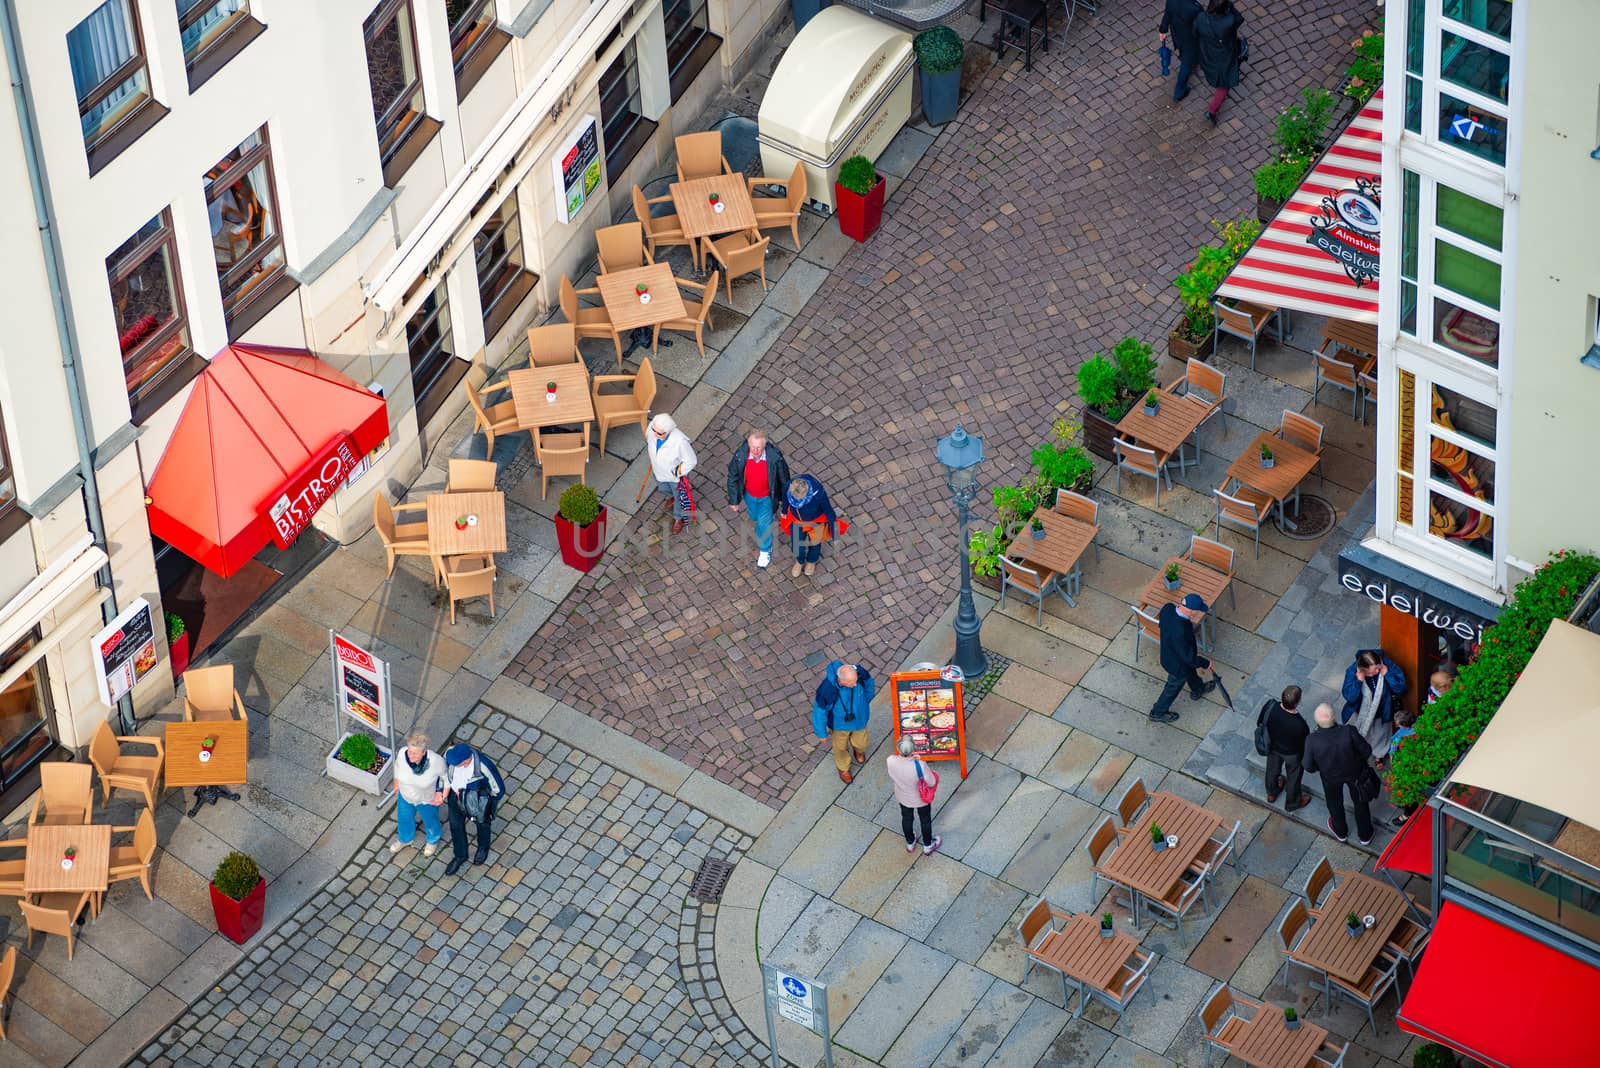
859 216
582 547
240 920
180 656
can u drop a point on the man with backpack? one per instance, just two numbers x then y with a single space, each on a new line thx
840 710
1286 735
474 787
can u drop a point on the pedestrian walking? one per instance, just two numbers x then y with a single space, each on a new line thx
1343 758
1180 654
1286 746
671 459
757 479
1372 686
475 787
906 773
840 711
419 791
809 521
1220 50
1177 26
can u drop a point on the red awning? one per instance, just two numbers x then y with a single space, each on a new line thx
1499 996
1412 849
256 421
1320 254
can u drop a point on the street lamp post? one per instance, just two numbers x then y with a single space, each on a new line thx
960 454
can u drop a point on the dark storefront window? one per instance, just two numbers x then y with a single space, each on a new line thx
503 280
434 367
148 300
24 714
690 42
621 110
243 207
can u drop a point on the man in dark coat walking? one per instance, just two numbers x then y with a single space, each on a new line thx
1177 24
1180 654
757 479
1343 758
1286 745
1217 31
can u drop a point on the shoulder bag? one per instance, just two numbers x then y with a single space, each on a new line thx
1369 786
927 786
1262 738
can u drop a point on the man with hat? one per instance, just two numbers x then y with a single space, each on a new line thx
1180 654
473 784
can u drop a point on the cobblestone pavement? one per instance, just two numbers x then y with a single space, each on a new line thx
570 947
1041 226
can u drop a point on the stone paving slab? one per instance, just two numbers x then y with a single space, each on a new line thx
1012 825
826 855
975 917
939 1017
911 978
988 1024
919 902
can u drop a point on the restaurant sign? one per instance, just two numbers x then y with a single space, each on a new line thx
292 507
363 685
1402 589
1347 230
576 166
125 651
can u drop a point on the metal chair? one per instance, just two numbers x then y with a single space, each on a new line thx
1369 392
1023 17
1098 846
1040 918
1292 930
1215 853
1125 986
1320 879
1332 371
1305 432
1220 1020
1215 555
1204 382
1330 1055
1181 898
1083 509
1141 461
1035 583
1407 942
1244 509
1369 991
1247 322
1147 626
1134 800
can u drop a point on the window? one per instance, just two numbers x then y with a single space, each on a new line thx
690 42
147 298
392 72
502 279
8 482
475 40
621 111
1453 456
213 32
24 713
434 367
1450 268
244 230
1416 33
111 80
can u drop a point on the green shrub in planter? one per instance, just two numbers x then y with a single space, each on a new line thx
579 505
1433 1055
858 175
1278 180
1366 73
236 876
939 58
175 627
359 751
938 50
1301 127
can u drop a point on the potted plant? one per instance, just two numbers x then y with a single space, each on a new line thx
1158 841
357 760
1276 183
178 645
939 56
1036 527
1365 74
1109 387
1172 576
1106 930
1152 403
1291 1020
580 527
858 195
238 896
1300 129
1266 456
1353 925
1196 331
804 11
1433 1055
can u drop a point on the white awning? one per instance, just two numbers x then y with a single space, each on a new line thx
44 594
1540 746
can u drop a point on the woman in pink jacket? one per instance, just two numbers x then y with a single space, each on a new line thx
903 774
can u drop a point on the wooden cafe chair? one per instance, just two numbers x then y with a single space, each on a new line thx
700 156
209 694
588 322
119 769
399 539
740 254
621 247
54 913
66 795
467 577
472 476
553 345
560 454
777 213
699 318
133 861
660 229
500 418
8 972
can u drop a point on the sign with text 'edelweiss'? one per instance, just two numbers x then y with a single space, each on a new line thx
309 488
363 689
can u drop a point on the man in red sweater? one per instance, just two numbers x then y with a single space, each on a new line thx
757 475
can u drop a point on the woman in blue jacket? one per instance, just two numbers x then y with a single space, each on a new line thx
1371 687
808 502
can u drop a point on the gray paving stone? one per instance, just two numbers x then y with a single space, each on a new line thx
1128 728
905 986
972 805
782 905
1012 826
860 960
1048 847
986 1026
825 856
977 915
940 1017
813 938
921 898
1032 744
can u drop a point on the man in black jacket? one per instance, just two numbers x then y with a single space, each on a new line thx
1177 22
757 476
1180 654
1286 744
1343 757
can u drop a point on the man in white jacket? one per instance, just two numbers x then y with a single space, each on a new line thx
671 458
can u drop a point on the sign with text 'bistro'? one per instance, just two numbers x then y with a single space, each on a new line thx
576 167
363 685
125 651
309 488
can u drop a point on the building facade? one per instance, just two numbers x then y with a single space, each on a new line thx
396 186
1487 305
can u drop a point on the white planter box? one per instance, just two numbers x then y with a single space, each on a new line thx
377 785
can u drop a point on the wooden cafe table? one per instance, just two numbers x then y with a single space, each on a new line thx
619 292
1358 339
1291 464
486 536
572 403
1079 953
42 872
1137 865
228 764
1192 578
692 201
1063 544
1329 949
1175 419
1264 1041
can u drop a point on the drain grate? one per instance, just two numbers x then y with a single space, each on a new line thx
1315 518
711 880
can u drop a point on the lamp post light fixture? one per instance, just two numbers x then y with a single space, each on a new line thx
960 454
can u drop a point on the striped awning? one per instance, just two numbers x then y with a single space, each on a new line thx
1320 254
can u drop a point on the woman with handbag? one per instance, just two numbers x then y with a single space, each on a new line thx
1216 29
914 787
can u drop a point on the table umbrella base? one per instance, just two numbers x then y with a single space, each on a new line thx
640 338
210 795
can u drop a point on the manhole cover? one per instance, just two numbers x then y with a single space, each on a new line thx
711 880
1315 518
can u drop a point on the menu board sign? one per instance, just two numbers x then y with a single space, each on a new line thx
928 710
576 167
125 651
362 685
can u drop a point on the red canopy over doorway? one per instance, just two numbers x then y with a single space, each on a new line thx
264 439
